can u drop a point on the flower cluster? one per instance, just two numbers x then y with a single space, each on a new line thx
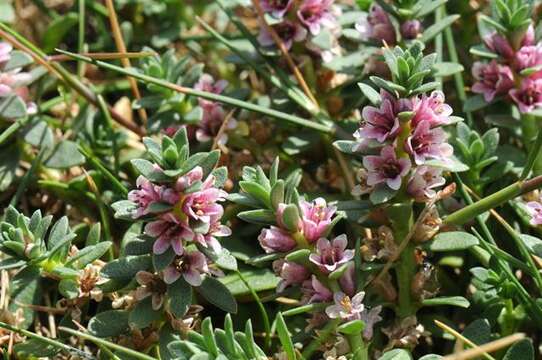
376 26
299 21
13 81
191 214
326 274
406 133
516 73
182 210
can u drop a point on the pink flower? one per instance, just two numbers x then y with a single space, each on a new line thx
382 123
330 255
529 95
216 229
492 79
423 181
168 231
207 83
277 8
192 266
431 108
289 32
5 52
529 36
528 57
202 205
211 122
189 179
499 45
316 218
535 209
147 194
386 168
314 291
428 143
290 273
370 318
275 239
346 308
377 26
347 280
316 13
411 29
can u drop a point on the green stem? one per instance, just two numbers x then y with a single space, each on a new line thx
98 166
26 178
530 130
12 129
56 344
458 78
81 37
500 197
110 345
401 217
358 348
205 95
323 335
261 307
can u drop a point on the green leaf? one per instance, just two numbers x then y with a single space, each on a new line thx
371 94
38 133
18 59
57 29
25 288
437 27
381 194
354 327
143 315
447 69
180 297
453 241
478 331
258 279
285 338
32 348
262 216
69 288
257 191
396 354
64 156
147 169
12 107
161 261
127 267
217 294
474 103
346 146
458 301
452 164
522 350
533 244
109 323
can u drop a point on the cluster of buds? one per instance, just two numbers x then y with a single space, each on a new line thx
13 81
376 26
397 22
320 266
179 198
211 125
515 68
401 138
300 21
